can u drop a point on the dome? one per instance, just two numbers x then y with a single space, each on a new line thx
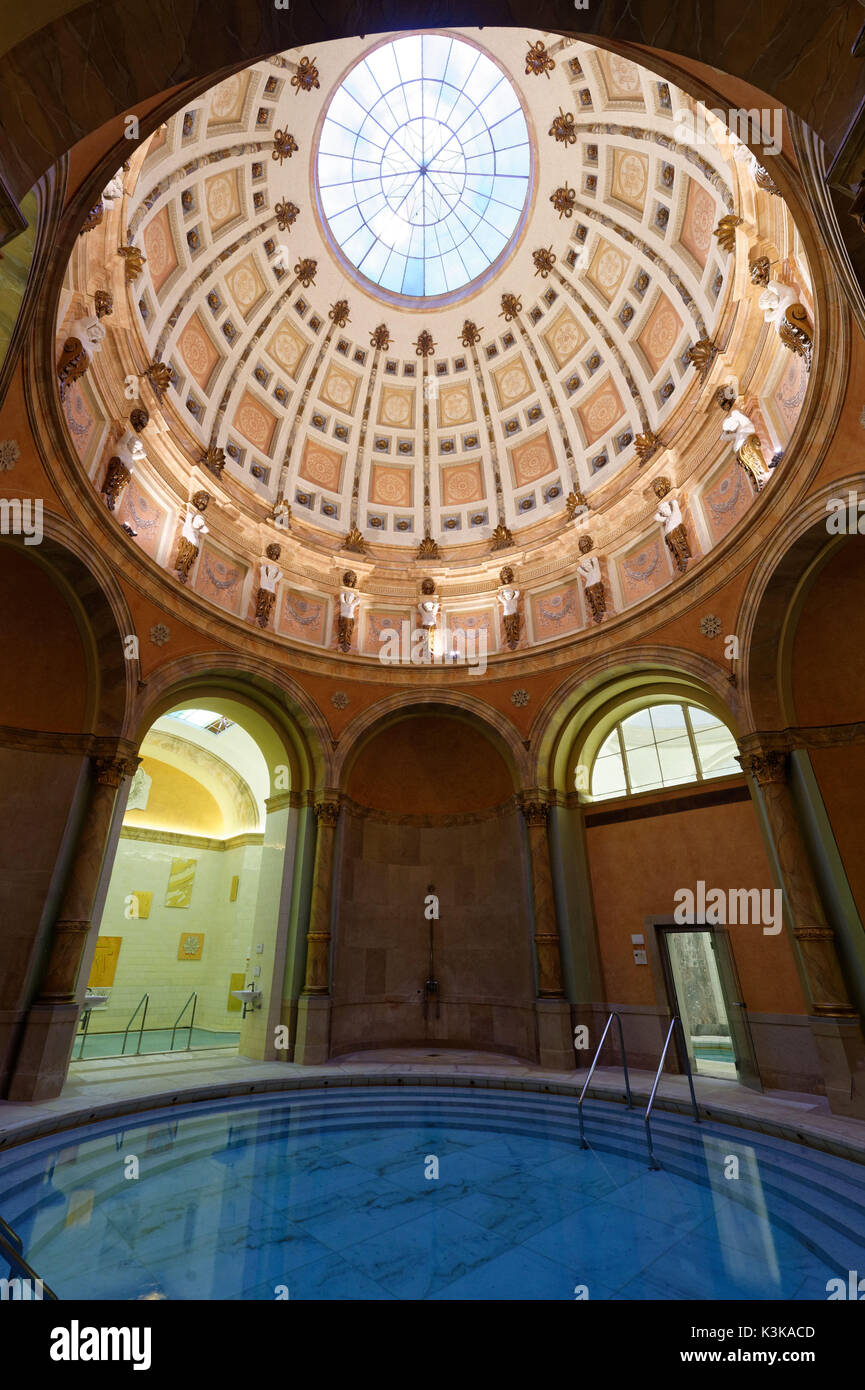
430 305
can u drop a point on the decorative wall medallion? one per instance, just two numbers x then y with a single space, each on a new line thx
305 271
159 634
661 486
284 145
710 626
544 260
9 454
511 306
138 418
585 544
191 943
563 129
103 303
520 697
563 200
758 270
339 699
306 77
286 215
538 60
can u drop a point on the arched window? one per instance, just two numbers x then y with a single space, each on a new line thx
662 745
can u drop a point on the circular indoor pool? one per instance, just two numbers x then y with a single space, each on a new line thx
429 1192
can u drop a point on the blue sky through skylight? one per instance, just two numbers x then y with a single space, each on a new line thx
424 164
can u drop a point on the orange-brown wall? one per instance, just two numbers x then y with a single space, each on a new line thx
636 866
430 765
43 676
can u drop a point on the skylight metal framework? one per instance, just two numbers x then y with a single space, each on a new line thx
424 165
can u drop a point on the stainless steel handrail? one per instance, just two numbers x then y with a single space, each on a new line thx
613 1015
654 1165
193 1000
145 1000
11 1248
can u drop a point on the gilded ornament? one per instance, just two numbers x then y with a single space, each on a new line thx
214 460
138 419
794 331
273 551
424 345
511 306
284 145
576 505
305 272
354 541
597 601
701 355
564 200
159 375
764 767
135 262
379 338
428 549
201 500
679 546
538 60
286 215
585 544
103 303
758 269
661 486
338 313
470 335
725 232
306 76
264 604
647 445
502 537
544 260
74 361
563 128
93 218
117 475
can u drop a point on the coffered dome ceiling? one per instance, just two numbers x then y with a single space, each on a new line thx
430 286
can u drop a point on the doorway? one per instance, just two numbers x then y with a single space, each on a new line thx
703 989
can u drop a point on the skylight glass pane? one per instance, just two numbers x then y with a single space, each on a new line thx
716 747
426 145
644 770
637 730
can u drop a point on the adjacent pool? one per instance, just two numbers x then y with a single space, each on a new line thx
429 1192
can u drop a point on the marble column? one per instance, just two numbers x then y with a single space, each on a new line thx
52 1020
835 1023
313 1015
555 1046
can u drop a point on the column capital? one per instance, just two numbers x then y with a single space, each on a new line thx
765 765
110 771
327 813
534 809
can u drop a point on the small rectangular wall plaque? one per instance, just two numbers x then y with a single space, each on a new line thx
235 883
191 945
180 881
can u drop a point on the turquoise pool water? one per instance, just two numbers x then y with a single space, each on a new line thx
152 1040
332 1194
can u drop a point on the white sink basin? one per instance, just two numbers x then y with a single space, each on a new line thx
94 1001
246 996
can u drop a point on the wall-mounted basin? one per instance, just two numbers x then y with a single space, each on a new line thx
94 1001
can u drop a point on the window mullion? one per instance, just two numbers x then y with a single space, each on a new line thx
693 742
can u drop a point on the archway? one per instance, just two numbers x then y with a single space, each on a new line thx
431 884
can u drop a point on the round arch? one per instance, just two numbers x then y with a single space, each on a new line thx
456 705
277 713
587 696
773 604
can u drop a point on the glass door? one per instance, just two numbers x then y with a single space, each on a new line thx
704 992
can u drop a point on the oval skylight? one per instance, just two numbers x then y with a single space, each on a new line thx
424 165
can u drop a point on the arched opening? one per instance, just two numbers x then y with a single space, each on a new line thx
657 815
197 944
430 811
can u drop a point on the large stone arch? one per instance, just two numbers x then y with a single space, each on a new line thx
566 709
494 726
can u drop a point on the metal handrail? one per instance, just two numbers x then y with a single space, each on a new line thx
11 1248
654 1165
193 1000
613 1015
145 1000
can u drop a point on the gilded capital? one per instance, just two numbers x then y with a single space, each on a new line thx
327 813
535 812
110 772
765 766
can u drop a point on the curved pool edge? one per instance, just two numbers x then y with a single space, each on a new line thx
771 1115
